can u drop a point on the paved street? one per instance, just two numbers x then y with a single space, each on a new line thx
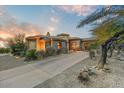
34 74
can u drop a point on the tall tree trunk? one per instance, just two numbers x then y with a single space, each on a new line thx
105 46
102 61
119 50
111 52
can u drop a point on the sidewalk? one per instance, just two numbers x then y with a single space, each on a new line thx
34 74
4 54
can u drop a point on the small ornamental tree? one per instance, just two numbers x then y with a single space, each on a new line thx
17 45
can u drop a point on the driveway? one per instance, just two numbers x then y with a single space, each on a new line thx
33 74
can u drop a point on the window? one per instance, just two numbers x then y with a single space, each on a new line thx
32 44
48 44
64 44
75 45
55 44
59 45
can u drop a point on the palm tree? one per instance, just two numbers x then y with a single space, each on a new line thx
116 11
109 13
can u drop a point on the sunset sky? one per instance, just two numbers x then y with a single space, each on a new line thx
41 19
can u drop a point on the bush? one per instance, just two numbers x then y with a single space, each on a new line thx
4 50
58 51
18 49
40 54
93 46
33 54
64 50
50 51
30 55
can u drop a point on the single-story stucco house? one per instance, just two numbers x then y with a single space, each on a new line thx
63 40
73 43
41 42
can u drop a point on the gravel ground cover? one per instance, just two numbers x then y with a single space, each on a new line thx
68 78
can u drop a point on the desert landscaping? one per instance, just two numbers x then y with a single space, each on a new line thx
47 49
69 78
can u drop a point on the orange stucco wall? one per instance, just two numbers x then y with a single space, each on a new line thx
40 44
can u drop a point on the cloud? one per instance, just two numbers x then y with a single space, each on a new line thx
31 29
54 19
5 17
5 35
80 10
11 31
9 26
51 27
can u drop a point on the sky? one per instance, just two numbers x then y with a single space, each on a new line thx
39 19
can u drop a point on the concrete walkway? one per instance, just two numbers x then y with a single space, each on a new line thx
34 74
4 54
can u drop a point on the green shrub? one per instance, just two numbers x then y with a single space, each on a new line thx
50 51
64 50
58 51
4 50
40 54
33 54
18 49
30 55
93 46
